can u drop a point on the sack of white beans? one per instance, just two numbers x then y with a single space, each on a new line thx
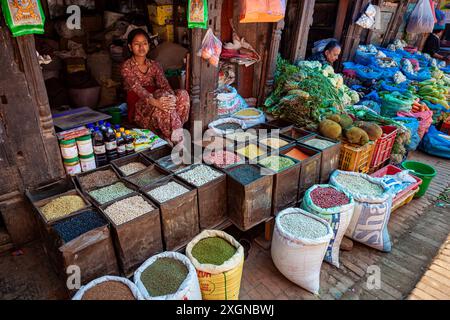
299 243
334 206
373 204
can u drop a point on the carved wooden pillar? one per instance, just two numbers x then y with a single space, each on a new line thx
273 53
304 18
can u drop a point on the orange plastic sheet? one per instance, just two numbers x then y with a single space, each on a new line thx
262 10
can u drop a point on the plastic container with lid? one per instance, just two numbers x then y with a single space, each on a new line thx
72 166
69 148
87 162
84 144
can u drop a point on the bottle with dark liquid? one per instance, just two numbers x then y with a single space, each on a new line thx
99 148
110 143
121 145
129 140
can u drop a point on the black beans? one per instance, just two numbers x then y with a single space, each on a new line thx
75 226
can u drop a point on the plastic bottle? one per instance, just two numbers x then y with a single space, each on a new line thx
121 145
90 126
102 127
117 128
110 143
129 140
99 148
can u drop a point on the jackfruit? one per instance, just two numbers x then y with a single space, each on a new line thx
346 121
330 129
373 130
357 135
335 117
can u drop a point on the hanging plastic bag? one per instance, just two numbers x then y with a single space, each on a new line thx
262 10
24 17
421 19
211 48
197 14
367 19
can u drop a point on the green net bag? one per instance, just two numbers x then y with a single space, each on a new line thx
24 16
197 14
395 102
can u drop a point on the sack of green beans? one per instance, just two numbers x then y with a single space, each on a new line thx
373 204
168 276
219 260
109 288
334 206
299 243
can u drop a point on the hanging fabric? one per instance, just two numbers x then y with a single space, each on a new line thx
262 10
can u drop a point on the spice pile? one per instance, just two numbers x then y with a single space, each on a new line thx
167 192
107 194
200 175
303 226
359 185
249 112
276 163
80 224
128 209
213 250
328 197
98 179
319 143
241 136
251 151
109 290
274 143
297 154
62 206
245 173
228 126
222 158
146 177
132 167
164 276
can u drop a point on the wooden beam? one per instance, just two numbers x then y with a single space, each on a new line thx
272 58
340 18
299 40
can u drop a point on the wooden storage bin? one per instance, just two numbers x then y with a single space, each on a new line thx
98 204
281 124
50 190
295 133
249 204
285 186
212 200
138 239
154 169
93 252
79 177
137 157
179 216
309 168
157 153
330 157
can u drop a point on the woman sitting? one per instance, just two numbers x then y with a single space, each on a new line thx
152 103
329 54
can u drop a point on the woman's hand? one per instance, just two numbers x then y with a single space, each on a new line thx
161 104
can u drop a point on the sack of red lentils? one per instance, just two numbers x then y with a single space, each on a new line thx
109 288
168 276
373 204
334 206
24 17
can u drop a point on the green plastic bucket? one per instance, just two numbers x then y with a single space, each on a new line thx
422 171
115 114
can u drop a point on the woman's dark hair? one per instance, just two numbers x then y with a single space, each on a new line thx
331 45
136 32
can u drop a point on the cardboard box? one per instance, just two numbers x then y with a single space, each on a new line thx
166 33
160 14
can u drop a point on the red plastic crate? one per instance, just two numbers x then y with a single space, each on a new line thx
383 146
445 128
391 170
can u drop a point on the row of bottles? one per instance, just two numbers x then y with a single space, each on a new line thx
110 144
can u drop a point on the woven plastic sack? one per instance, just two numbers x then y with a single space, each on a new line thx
425 119
412 124
197 14
134 290
24 17
299 259
213 125
262 10
436 143
338 217
394 102
219 282
228 101
251 121
421 19
188 290
371 215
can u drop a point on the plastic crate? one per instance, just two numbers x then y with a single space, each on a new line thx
404 196
383 146
445 128
356 158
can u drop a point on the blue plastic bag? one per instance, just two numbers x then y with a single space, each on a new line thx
363 58
402 87
413 126
435 144
422 75
368 73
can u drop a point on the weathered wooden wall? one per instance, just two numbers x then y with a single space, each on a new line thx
29 152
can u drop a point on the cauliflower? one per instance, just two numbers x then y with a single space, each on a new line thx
391 47
354 96
399 77
328 71
381 54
